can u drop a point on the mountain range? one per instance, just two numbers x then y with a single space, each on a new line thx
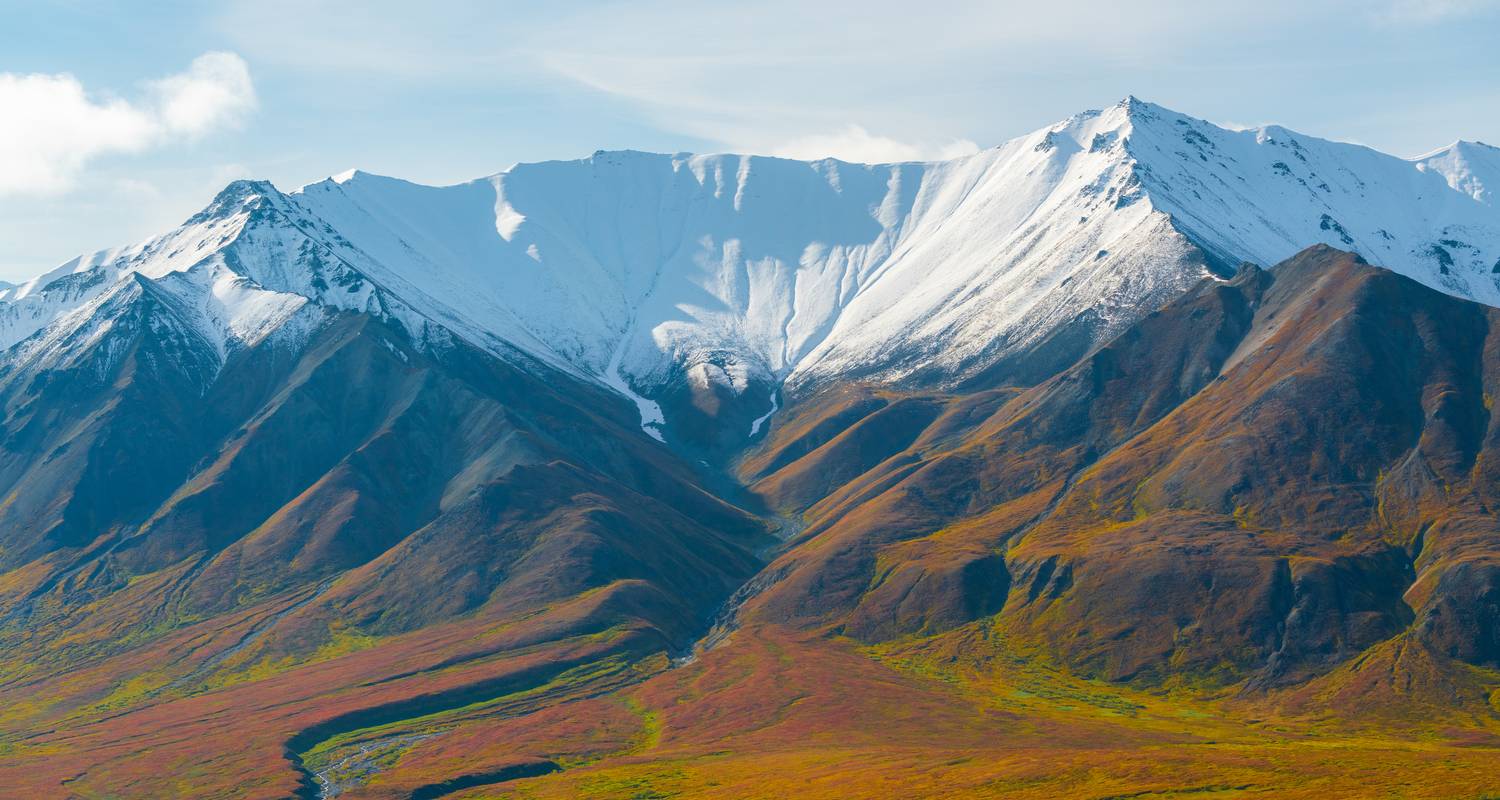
1135 456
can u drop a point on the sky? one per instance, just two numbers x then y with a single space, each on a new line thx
118 120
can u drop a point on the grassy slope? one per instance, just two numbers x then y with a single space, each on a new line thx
772 713
779 714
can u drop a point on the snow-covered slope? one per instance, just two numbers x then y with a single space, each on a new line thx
725 267
1260 195
639 270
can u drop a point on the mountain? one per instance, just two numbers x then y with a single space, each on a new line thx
1100 463
706 282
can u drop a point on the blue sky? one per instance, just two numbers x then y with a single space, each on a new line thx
118 120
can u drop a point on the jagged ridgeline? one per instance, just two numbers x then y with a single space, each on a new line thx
1132 457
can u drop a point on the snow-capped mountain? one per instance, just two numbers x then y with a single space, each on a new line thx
643 271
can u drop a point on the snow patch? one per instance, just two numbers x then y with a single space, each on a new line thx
652 419
755 424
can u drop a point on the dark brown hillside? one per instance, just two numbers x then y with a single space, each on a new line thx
1263 479
1002 457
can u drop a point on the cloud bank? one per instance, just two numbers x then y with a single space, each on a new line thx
55 127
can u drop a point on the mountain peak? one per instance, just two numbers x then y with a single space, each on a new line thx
1095 130
243 189
237 196
1135 105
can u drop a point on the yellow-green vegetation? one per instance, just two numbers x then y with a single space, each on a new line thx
1010 726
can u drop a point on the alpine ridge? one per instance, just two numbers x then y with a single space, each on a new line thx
678 277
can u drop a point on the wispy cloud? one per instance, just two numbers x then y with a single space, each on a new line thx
741 80
797 77
55 127
858 145
853 79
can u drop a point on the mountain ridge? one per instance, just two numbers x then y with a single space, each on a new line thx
678 278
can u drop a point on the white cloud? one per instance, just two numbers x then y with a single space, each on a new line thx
858 145
214 91
54 127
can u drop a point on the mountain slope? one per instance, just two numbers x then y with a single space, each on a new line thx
1260 481
145 469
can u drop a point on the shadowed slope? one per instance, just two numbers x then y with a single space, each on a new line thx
351 506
